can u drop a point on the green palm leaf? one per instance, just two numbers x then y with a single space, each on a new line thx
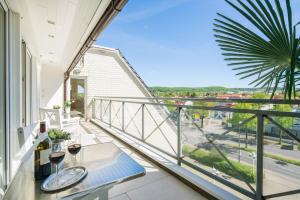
271 53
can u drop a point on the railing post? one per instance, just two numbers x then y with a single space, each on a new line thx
101 102
143 122
179 153
93 109
109 113
259 156
123 116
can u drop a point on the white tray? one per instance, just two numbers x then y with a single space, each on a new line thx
66 178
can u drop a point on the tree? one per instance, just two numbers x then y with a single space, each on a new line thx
286 122
270 53
260 95
240 117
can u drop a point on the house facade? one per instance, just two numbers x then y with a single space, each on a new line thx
107 74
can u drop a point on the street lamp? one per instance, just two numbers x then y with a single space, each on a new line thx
202 118
253 156
240 141
246 142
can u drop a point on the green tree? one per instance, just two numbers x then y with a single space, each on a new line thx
201 111
286 122
269 52
260 95
240 117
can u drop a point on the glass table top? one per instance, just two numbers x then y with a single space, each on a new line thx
106 164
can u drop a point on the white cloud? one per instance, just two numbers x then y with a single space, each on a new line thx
152 11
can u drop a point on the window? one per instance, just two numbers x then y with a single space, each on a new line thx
2 96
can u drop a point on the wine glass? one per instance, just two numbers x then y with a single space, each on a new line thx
57 155
74 145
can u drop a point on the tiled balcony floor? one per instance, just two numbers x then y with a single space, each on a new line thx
156 184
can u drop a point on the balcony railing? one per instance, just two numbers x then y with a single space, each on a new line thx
246 156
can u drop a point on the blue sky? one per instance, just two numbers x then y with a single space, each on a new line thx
171 43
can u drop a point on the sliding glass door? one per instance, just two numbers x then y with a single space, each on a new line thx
2 96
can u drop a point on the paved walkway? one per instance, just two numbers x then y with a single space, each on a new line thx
156 184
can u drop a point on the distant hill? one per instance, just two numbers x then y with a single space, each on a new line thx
197 90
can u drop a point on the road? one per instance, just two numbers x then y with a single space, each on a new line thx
193 136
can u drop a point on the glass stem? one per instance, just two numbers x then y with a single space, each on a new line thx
56 166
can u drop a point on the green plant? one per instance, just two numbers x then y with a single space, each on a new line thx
286 122
67 104
214 159
56 107
298 147
270 53
56 134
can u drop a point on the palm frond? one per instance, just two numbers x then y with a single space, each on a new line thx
270 53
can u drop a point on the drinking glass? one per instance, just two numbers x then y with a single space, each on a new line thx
74 145
57 155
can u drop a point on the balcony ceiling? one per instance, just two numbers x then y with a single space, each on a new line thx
56 29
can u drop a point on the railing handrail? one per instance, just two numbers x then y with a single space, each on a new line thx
237 100
215 108
255 192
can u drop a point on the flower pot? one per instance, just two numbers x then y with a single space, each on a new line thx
68 112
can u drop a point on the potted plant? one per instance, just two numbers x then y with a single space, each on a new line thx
67 107
57 137
57 107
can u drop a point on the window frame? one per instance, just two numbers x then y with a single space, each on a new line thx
6 88
26 88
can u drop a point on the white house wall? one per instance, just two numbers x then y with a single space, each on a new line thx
36 71
108 74
20 143
52 86
107 78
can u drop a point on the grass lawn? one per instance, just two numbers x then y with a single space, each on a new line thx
213 159
269 155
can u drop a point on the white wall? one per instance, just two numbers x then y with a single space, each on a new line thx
15 90
106 77
20 143
108 74
52 86
36 71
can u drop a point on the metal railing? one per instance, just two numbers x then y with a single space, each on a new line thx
150 121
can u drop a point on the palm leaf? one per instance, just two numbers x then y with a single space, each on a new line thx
270 52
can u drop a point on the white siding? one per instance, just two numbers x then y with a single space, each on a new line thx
106 77
52 86
108 74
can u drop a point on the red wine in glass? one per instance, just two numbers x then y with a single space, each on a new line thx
74 148
56 157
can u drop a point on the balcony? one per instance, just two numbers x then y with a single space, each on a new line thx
147 187
190 148
243 159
